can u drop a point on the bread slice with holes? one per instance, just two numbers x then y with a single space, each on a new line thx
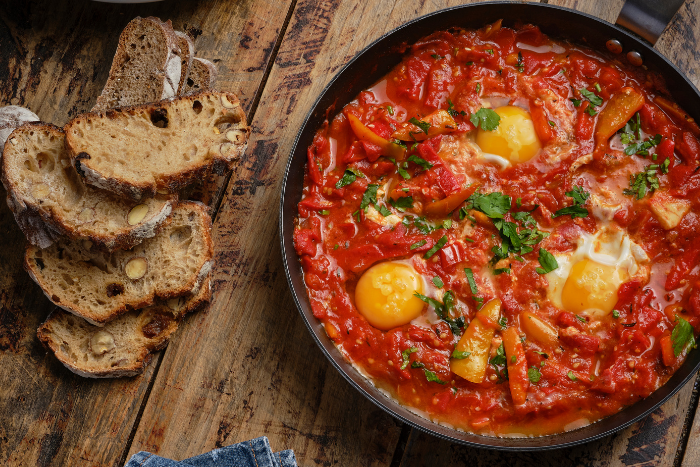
186 45
100 286
11 117
202 76
158 148
47 196
123 346
146 66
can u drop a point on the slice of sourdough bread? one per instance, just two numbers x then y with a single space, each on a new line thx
12 116
47 196
146 66
100 286
201 78
123 346
158 148
186 45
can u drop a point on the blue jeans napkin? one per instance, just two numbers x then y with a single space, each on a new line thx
254 453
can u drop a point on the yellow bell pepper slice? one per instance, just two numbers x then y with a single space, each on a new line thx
365 134
537 329
440 122
620 109
477 341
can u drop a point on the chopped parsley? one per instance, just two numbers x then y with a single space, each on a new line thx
436 56
442 309
382 210
324 212
500 358
580 196
349 176
429 375
593 101
478 88
489 51
581 318
547 261
401 204
683 336
439 244
643 182
418 244
390 109
405 355
520 65
495 205
438 282
369 197
534 375
616 314
458 355
591 97
424 126
541 353
503 322
572 376
401 169
451 108
641 148
419 161
487 118
472 285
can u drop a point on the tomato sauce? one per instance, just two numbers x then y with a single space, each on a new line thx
588 111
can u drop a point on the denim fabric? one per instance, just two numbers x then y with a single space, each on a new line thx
253 453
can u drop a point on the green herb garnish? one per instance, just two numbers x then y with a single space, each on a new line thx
487 118
439 244
547 261
424 126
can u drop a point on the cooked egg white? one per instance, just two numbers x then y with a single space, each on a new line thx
587 280
514 139
384 294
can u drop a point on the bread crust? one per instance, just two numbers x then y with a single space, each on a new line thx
169 72
163 182
186 45
11 117
42 225
122 305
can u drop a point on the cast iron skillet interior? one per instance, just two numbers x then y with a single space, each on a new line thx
371 65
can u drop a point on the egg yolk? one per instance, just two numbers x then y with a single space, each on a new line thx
590 285
384 295
514 138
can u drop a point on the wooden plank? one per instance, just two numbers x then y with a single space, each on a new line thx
651 442
55 58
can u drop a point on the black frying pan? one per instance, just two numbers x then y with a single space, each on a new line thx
377 60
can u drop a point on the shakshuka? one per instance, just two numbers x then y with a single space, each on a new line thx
502 233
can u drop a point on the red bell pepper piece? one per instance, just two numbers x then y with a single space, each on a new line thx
682 267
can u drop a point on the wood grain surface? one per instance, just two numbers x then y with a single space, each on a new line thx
246 366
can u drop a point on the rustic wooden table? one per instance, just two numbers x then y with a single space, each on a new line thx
246 366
